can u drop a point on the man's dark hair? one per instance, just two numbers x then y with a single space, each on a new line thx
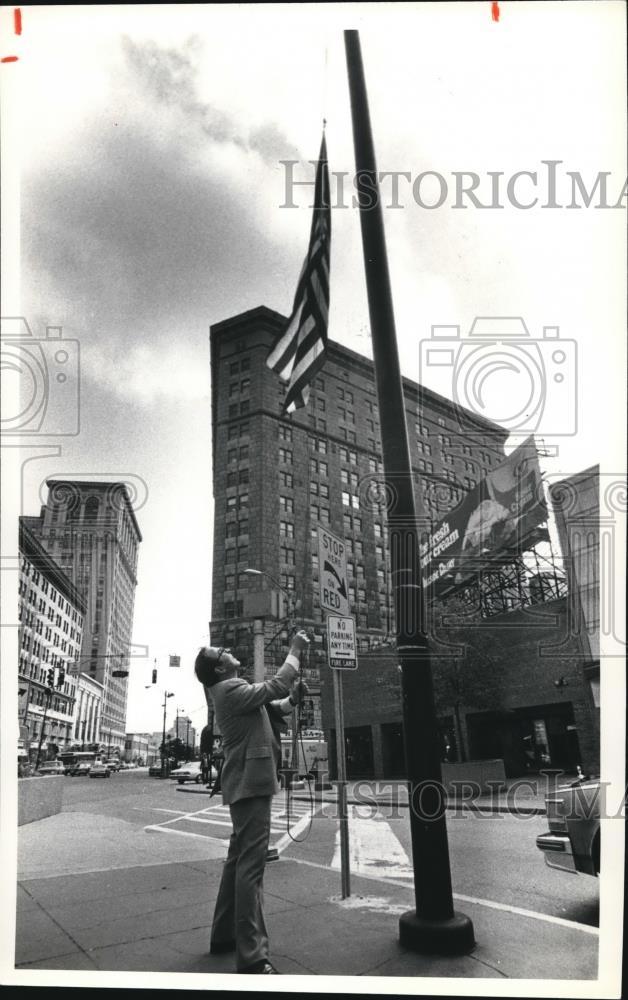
205 668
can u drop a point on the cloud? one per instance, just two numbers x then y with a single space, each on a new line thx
154 222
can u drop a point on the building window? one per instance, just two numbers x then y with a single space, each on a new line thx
244 452
324 515
320 384
286 529
286 479
243 553
466 449
287 555
447 459
245 385
243 527
243 476
288 581
377 530
469 483
232 455
319 445
232 479
321 425
347 455
286 505
424 448
245 406
285 433
425 466
231 530
233 409
285 456
229 581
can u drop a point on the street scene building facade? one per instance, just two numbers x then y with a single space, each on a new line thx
278 478
89 695
90 530
51 612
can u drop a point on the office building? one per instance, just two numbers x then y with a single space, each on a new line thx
277 478
90 530
51 611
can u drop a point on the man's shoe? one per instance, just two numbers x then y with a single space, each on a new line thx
221 947
264 968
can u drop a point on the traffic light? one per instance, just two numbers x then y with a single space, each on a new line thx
61 677
51 677
154 681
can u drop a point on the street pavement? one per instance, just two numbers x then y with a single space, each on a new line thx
97 891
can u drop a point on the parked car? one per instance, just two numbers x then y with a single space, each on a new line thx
79 770
188 772
51 767
99 770
154 770
113 764
572 842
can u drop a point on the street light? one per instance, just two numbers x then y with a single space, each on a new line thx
258 627
167 694
289 597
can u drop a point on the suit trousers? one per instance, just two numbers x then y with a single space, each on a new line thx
239 913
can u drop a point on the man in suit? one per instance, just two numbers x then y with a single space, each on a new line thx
249 781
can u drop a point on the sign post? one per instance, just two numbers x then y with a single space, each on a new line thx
345 879
342 656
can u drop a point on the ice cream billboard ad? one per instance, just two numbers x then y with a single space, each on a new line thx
494 519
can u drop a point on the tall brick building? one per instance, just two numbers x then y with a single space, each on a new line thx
90 530
51 611
276 478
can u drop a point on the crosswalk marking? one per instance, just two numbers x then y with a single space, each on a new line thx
218 815
373 849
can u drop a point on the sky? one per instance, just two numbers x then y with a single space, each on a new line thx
146 142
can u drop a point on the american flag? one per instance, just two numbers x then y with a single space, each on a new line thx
300 351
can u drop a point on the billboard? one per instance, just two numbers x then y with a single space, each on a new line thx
495 519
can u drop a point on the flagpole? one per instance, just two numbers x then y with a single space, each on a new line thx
433 926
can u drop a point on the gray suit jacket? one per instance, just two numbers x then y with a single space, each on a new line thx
250 746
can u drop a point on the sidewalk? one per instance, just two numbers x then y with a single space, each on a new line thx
155 914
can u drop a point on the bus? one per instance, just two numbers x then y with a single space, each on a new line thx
70 758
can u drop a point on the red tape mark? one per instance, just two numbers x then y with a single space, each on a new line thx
495 11
17 20
9 59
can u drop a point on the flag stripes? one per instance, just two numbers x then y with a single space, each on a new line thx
300 351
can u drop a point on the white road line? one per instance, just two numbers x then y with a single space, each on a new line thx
178 812
183 833
490 903
287 838
374 849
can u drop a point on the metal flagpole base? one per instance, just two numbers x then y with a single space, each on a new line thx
436 937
